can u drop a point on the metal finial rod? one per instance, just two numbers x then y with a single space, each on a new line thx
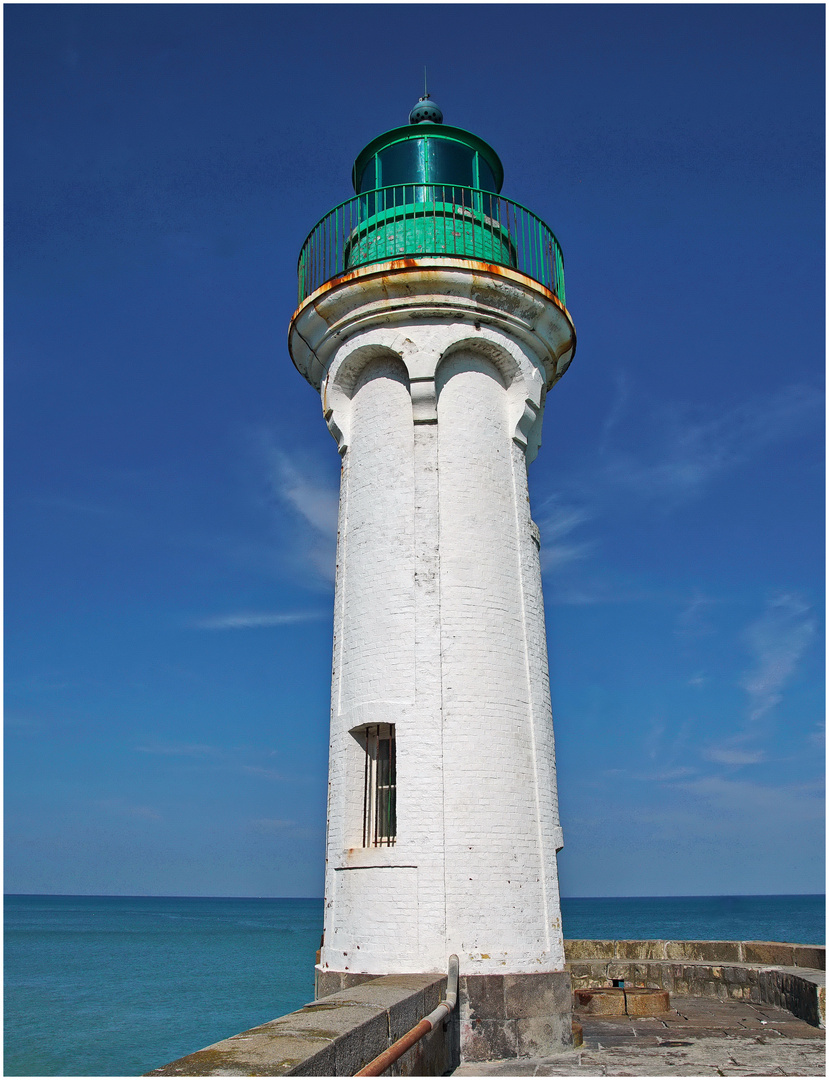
425 84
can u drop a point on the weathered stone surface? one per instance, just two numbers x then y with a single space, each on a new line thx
736 974
583 976
488 1040
355 1048
638 950
619 969
600 1026
540 1035
256 1053
406 999
331 982
654 975
690 1046
714 951
546 994
799 990
513 1067
516 1002
577 949
482 997
768 952
587 973
810 956
792 1028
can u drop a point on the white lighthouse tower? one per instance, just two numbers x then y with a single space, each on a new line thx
432 321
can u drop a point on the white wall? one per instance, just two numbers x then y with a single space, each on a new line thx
439 630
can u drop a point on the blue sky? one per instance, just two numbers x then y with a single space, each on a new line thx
171 487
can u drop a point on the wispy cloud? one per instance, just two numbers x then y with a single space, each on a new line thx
666 745
313 501
306 496
734 752
253 619
777 640
555 523
732 796
817 736
678 455
691 621
693 452
726 817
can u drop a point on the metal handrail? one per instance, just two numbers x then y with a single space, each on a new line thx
378 1065
410 220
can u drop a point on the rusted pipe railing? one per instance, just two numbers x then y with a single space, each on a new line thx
427 1024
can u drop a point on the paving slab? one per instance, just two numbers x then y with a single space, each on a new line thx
697 1038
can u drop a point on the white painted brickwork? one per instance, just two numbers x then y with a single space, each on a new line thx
439 625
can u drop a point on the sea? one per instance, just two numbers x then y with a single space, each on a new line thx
119 985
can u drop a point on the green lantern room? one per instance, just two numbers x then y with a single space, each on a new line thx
429 189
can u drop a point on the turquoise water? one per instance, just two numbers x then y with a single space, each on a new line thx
116 986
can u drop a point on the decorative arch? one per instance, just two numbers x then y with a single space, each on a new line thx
347 377
525 395
477 348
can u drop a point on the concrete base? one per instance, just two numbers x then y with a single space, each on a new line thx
508 1016
500 1016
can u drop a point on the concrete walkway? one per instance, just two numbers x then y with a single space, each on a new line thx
699 1037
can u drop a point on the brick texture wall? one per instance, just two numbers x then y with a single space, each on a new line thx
439 630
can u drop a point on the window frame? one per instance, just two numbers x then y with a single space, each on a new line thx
379 782
423 145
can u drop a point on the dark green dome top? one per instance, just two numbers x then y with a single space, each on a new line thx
426 111
427 151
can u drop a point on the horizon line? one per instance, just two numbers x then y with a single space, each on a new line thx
211 896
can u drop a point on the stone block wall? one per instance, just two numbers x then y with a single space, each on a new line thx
780 973
499 1016
514 1016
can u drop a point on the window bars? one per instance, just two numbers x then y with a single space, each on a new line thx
379 787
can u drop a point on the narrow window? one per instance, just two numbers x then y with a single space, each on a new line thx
380 787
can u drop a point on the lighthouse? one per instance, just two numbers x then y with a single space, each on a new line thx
432 322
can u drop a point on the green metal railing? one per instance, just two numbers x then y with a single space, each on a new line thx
430 219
